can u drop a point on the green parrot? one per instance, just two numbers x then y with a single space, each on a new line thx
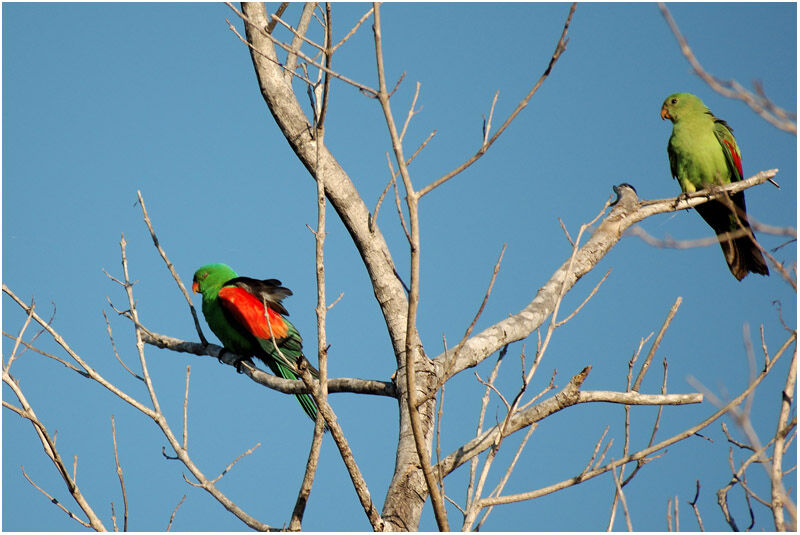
702 151
234 309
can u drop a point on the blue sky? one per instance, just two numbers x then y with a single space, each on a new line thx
102 100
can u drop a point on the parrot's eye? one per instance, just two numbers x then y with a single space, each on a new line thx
674 101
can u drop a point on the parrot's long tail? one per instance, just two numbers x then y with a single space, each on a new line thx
306 401
741 253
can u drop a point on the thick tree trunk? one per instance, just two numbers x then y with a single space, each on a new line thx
407 491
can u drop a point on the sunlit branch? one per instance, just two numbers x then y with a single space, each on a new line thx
758 101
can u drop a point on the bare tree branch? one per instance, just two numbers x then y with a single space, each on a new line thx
287 386
171 268
18 339
453 460
776 476
560 47
758 102
161 421
54 500
346 453
299 35
119 474
626 212
279 12
49 447
412 347
693 503
174 512
296 521
622 500
114 349
251 23
46 354
639 378
352 31
321 309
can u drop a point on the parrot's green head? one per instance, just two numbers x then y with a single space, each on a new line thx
680 105
211 277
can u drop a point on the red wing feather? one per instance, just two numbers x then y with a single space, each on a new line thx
248 310
737 160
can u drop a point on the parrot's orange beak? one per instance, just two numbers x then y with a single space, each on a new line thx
195 287
665 114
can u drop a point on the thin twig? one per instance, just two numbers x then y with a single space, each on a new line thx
295 524
596 450
185 442
411 113
321 309
560 47
656 343
18 339
119 474
363 88
46 354
294 49
55 501
501 485
232 28
591 294
374 216
449 362
233 462
484 403
566 232
393 182
345 452
174 512
487 123
696 510
114 349
279 12
299 35
349 34
171 268
622 500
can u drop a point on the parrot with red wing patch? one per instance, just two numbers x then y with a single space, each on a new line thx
702 152
234 308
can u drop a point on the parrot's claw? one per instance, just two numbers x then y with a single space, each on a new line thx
237 364
242 361
682 197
